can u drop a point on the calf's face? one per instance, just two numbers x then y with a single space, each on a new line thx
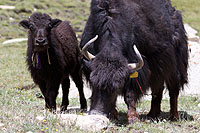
40 26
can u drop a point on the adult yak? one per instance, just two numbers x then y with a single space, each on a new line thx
156 28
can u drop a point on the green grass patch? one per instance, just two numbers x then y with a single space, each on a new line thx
190 11
75 11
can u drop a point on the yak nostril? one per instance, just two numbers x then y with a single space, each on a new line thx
40 41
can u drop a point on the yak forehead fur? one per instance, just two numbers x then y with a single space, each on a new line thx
40 19
109 70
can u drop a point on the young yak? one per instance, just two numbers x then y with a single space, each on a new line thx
53 55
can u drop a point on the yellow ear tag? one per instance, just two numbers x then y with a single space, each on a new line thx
134 75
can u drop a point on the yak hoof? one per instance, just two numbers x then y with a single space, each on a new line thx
132 116
52 111
84 105
84 110
154 114
113 115
47 106
133 119
173 118
63 109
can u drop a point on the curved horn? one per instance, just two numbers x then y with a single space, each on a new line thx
85 52
139 65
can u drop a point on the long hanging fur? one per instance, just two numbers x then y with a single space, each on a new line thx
155 27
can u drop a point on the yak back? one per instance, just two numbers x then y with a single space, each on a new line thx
145 24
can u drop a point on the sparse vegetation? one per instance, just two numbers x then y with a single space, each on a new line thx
20 107
190 11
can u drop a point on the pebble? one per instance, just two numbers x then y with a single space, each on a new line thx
14 40
6 7
86 122
40 118
1 124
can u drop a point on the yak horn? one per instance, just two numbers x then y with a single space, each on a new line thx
139 65
85 52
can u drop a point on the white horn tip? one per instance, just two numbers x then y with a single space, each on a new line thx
95 38
135 48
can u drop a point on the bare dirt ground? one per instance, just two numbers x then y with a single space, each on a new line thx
193 86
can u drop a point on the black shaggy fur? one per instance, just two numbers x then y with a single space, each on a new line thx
156 28
64 58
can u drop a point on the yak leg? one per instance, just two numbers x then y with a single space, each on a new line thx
130 100
77 78
113 114
157 92
52 93
43 89
65 90
173 93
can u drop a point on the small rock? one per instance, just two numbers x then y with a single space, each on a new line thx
40 118
11 19
86 122
4 129
1 124
14 40
190 44
199 105
191 33
6 7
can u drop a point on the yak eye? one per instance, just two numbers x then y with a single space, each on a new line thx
31 27
49 25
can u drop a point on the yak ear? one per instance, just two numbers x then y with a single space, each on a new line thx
55 22
25 24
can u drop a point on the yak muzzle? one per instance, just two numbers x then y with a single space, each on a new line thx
40 44
40 41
